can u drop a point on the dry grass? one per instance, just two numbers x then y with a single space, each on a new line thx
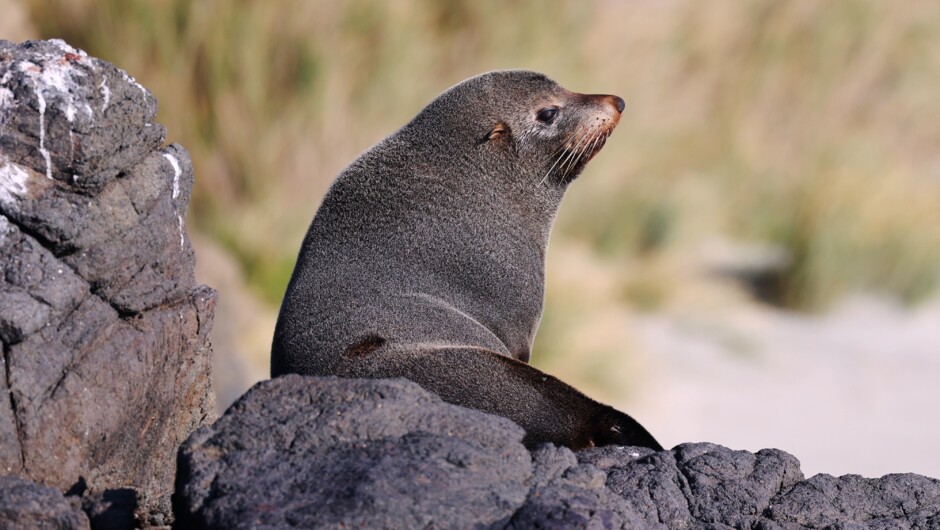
808 124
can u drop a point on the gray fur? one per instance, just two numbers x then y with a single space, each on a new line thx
426 258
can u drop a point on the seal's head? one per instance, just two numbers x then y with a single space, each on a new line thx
523 123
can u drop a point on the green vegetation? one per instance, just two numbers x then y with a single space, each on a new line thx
812 125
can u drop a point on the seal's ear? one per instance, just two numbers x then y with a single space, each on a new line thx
500 131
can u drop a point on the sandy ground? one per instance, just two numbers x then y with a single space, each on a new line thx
854 391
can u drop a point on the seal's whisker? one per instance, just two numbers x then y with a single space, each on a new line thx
591 151
561 152
557 156
566 145
579 153
570 156
595 144
573 153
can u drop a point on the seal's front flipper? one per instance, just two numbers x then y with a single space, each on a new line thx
612 427
548 409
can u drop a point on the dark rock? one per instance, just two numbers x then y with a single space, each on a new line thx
112 509
345 453
892 501
568 494
696 484
26 505
326 452
104 330
74 118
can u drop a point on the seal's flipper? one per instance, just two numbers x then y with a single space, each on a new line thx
548 409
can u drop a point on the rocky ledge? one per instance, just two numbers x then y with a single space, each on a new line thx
105 373
305 452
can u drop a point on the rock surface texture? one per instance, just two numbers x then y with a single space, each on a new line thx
304 452
25 504
105 365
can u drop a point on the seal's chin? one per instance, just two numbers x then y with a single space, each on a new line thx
576 154
595 148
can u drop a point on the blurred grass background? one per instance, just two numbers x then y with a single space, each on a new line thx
806 128
796 123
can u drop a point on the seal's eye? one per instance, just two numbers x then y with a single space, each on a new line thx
547 115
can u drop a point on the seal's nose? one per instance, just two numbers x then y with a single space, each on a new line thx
618 102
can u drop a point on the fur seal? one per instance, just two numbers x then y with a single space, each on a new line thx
426 258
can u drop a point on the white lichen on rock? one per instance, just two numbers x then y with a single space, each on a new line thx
130 79
176 173
5 228
66 48
42 132
53 78
7 97
182 231
105 94
13 179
